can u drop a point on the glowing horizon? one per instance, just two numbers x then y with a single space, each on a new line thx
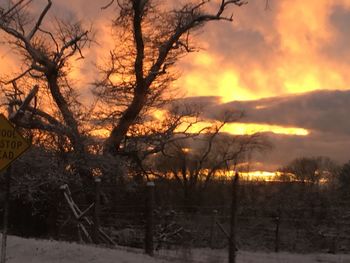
240 128
236 128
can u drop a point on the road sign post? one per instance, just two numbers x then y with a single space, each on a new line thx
12 145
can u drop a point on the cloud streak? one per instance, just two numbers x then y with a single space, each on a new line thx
323 113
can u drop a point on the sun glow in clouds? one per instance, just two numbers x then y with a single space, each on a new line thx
255 175
246 128
237 128
190 125
259 175
251 128
271 53
230 88
226 85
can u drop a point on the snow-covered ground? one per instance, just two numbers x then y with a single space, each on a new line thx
22 250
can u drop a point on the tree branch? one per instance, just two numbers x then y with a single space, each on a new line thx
20 112
107 5
18 77
40 20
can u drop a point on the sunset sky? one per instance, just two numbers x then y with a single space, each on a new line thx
287 66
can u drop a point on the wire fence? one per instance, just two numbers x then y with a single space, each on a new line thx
297 229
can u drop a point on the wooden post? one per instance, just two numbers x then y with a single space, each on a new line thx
96 224
6 214
149 219
234 204
277 231
212 229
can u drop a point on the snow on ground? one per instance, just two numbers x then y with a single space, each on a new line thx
209 256
22 250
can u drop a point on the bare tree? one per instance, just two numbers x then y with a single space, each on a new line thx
194 162
311 170
344 179
46 51
153 36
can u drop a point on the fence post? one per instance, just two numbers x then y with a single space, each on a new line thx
149 218
96 225
233 221
212 229
8 175
277 231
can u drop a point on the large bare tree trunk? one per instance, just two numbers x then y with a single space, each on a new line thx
173 43
117 135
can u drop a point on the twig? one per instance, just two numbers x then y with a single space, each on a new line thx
108 5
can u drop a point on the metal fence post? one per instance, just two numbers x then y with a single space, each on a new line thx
212 229
277 231
96 225
6 214
149 247
233 220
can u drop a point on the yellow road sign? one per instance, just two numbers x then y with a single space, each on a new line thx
12 144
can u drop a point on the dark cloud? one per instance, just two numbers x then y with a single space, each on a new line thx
287 148
320 111
324 113
201 102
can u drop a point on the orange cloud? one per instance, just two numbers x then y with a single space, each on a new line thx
235 128
8 65
246 128
270 53
263 53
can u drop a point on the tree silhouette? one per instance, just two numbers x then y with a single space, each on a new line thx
153 36
344 177
311 169
194 162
